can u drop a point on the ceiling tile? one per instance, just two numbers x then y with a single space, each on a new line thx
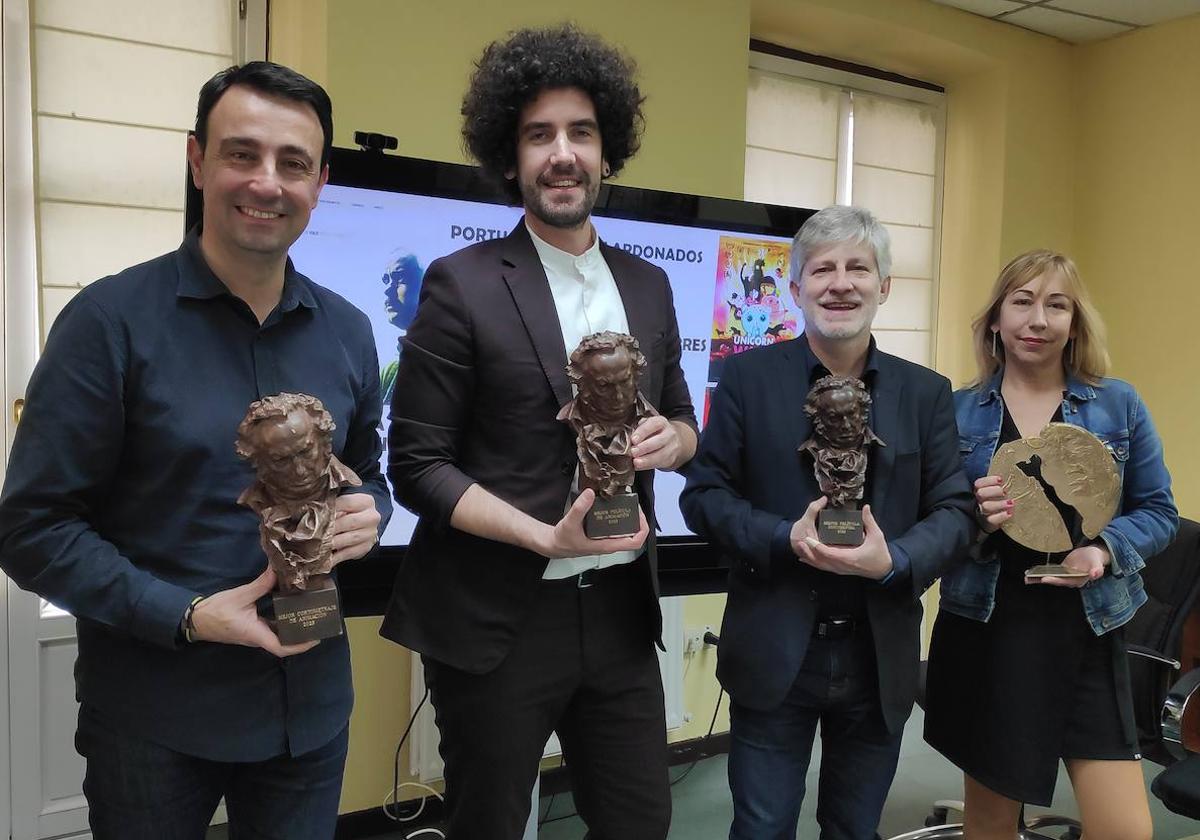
987 8
1143 12
1073 28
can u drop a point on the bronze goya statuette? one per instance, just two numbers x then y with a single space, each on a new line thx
839 408
288 439
605 368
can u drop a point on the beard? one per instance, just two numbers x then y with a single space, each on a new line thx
561 215
841 330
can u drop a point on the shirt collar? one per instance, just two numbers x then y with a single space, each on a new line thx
561 262
197 280
991 389
1076 388
814 369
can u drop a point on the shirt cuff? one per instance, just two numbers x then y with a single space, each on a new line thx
781 542
158 613
901 567
1115 567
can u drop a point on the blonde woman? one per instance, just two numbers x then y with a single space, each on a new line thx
1022 675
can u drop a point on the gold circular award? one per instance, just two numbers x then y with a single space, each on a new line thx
1066 462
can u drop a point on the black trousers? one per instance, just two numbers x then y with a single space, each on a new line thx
583 667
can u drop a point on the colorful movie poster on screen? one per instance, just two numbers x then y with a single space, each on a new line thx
751 307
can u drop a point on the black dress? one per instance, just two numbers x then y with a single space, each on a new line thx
1006 699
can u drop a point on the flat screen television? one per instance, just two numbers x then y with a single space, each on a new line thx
383 218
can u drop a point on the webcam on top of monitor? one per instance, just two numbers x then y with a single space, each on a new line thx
373 141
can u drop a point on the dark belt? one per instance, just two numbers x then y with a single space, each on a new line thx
834 627
590 577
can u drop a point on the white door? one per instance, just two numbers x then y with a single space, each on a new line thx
41 780
47 773
5 793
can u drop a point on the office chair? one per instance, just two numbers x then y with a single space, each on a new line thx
1178 786
1153 638
1169 714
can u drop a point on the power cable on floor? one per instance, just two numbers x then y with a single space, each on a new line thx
393 798
700 752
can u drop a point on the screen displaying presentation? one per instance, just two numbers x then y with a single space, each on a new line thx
372 245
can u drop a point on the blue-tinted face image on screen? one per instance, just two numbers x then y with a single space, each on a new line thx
373 246
402 278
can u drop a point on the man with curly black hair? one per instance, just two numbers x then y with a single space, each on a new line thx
527 627
512 73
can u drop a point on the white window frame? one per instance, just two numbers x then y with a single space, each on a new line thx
850 83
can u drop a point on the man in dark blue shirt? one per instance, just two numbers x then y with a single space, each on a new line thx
120 503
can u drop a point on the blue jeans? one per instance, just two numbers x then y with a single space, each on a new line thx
770 750
138 790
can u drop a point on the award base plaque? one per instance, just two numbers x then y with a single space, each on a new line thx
308 616
614 517
1052 570
840 527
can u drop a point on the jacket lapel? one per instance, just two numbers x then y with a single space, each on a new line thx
791 394
885 405
641 313
791 398
530 290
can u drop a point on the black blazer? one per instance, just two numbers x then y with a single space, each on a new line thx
480 382
747 478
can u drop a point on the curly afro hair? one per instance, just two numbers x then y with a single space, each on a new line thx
510 74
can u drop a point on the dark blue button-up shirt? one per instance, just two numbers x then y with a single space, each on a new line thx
120 501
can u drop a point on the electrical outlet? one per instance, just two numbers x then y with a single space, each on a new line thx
693 639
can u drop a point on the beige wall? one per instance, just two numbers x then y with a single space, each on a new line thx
1037 154
406 73
1137 196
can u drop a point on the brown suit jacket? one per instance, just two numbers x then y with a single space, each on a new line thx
481 380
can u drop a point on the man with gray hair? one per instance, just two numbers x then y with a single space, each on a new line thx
817 633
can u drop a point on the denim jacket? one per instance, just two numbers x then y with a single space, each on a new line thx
1144 525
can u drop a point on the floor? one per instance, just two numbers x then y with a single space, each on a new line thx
702 807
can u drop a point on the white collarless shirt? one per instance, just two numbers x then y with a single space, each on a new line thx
587 301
